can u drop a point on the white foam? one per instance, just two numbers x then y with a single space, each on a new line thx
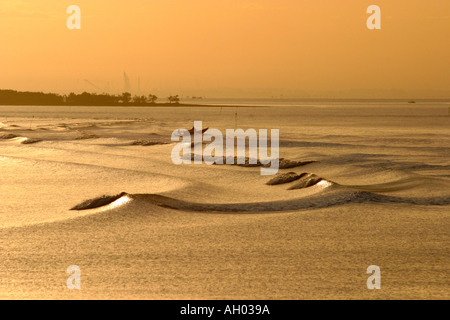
115 204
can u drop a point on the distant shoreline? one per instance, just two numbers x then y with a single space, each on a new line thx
85 99
225 105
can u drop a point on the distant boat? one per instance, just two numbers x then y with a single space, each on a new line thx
184 132
198 131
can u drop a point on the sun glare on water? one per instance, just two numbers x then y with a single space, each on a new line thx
119 202
113 205
324 183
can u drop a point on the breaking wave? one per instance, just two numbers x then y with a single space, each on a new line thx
336 196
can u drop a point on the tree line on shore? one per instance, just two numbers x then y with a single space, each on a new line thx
12 97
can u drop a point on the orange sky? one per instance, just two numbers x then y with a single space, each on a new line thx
220 48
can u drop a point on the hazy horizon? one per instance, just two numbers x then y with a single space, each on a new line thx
302 49
251 99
